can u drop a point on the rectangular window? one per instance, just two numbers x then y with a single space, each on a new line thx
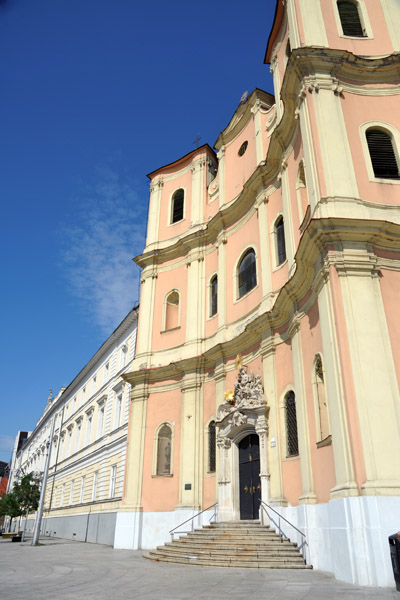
118 411
113 480
60 455
62 494
78 435
69 442
105 374
122 357
100 424
71 492
81 495
94 488
94 384
88 430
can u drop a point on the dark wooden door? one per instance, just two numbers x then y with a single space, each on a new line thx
249 477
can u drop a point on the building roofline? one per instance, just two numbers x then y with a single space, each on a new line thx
181 160
239 112
54 407
276 26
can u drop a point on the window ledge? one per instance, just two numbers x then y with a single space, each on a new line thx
246 294
162 476
169 330
385 180
292 457
277 267
325 442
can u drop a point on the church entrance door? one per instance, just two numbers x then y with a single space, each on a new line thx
249 477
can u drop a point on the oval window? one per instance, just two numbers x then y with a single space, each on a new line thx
243 148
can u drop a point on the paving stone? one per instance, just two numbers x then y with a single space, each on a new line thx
67 570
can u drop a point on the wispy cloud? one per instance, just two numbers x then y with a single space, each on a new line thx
106 231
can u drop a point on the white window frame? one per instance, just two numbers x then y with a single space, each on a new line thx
364 20
165 310
113 480
94 486
395 135
71 492
82 492
170 207
62 494
238 298
155 449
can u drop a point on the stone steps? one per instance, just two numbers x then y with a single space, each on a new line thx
234 544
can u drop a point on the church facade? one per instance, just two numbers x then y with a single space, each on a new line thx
267 361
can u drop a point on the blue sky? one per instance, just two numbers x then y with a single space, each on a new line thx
95 94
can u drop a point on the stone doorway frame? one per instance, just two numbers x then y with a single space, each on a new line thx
246 413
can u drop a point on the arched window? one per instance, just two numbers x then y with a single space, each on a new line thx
383 157
211 447
247 273
177 206
280 241
164 450
214 296
172 310
291 424
323 423
350 18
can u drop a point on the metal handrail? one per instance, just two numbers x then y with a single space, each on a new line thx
191 519
282 517
303 545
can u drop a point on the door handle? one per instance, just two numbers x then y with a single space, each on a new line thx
246 489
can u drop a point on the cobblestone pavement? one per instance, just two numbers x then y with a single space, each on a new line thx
62 569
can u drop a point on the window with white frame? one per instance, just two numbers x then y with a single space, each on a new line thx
113 478
62 440
106 372
88 429
69 439
214 295
62 494
171 317
382 153
94 380
177 206
292 444
164 449
280 241
118 411
94 487
350 18
82 492
247 273
71 492
78 435
100 422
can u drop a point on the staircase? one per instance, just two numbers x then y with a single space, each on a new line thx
238 544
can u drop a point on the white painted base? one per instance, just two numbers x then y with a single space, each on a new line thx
347 536
146 530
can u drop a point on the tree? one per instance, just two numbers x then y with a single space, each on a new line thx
23 498
27 493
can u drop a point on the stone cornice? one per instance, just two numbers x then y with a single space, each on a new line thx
313 261
308 71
